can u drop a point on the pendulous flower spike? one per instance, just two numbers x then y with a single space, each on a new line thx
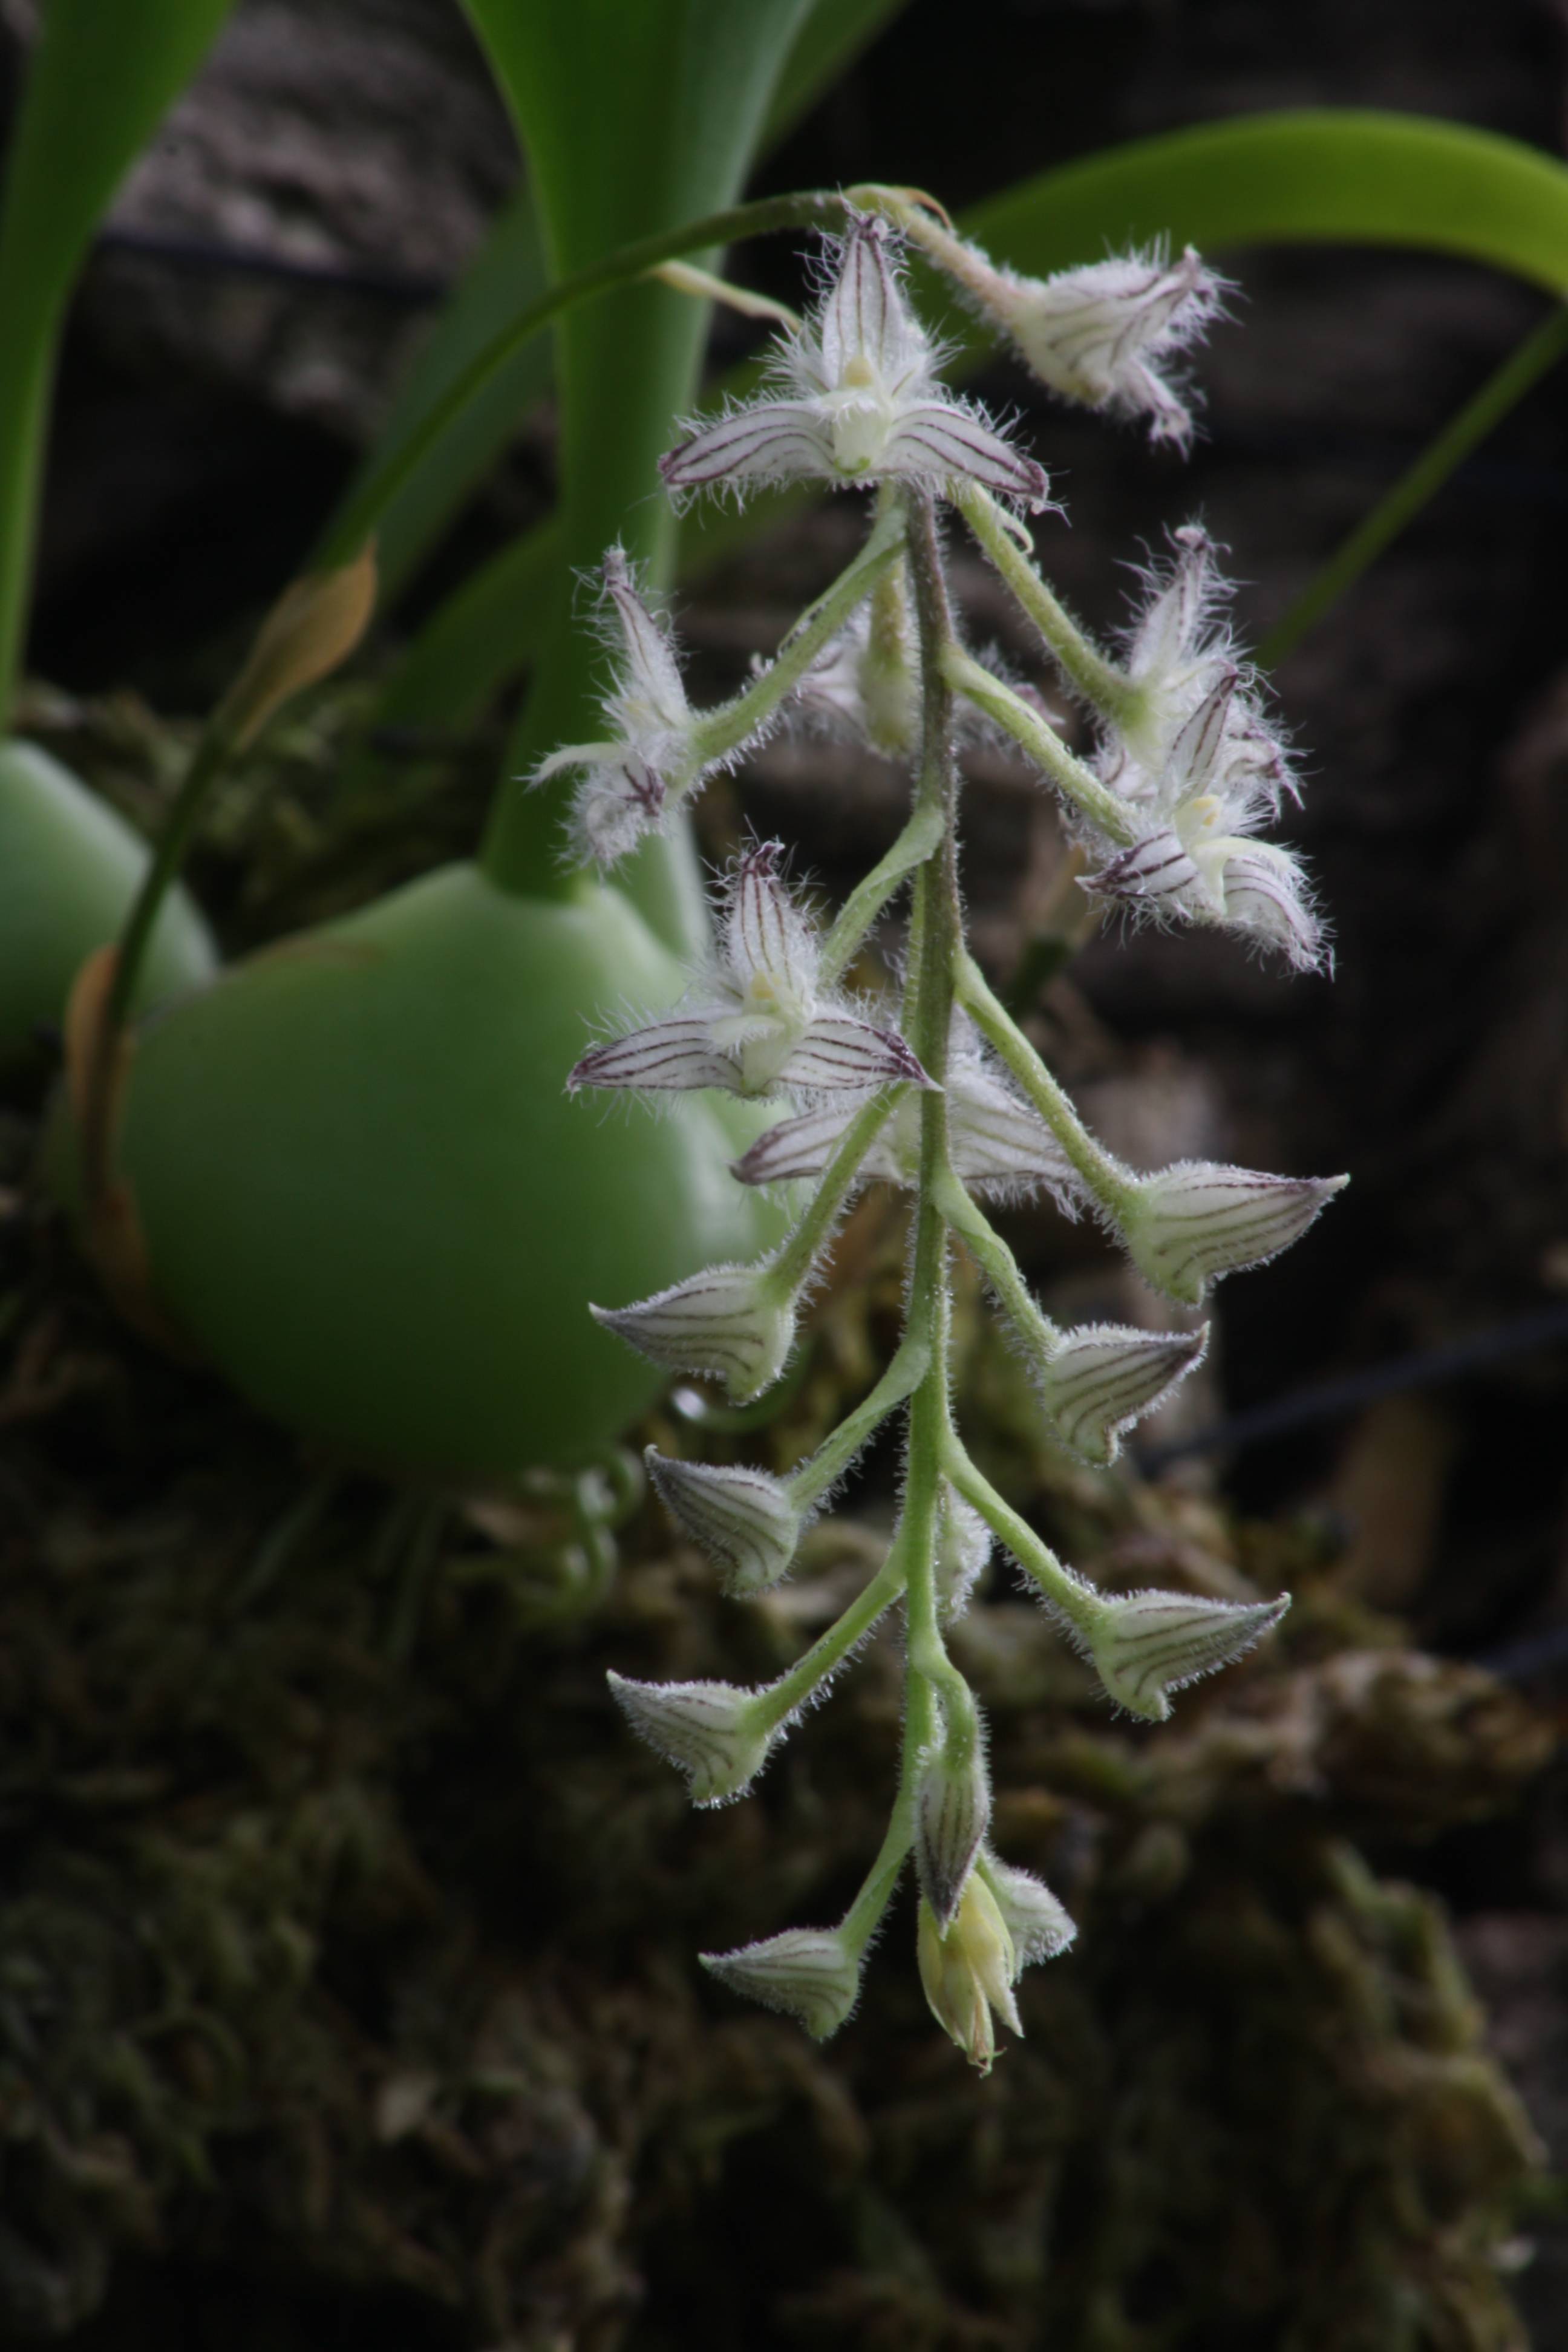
1167 810
810 1973
742 1519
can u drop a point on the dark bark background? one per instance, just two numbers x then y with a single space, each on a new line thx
346 1993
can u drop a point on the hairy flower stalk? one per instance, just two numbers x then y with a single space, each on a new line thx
941 1094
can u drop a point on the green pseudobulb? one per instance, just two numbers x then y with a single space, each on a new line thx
69 868
368 1198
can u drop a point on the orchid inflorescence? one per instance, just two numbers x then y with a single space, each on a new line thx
942 1093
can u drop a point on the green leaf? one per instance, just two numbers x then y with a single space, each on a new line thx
506 277
102 76
1328 176
634 119
1504 389
828 44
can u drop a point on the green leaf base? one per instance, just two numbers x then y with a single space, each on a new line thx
69 868
369 1200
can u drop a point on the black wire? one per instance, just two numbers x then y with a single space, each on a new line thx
1329 1399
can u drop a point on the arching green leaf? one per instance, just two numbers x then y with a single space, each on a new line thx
102 76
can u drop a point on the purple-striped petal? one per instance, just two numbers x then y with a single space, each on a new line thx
670 1054
863 318
798 1148
766 937
1150 1643
776 440
723 1322
953 1813
1198 744
1106 1376
1154 869
810 1973
655 671
742 1517
1197 1220
705 1729
997 1139
935 438
839 1051
1265 894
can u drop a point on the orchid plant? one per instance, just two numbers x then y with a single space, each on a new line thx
940 1092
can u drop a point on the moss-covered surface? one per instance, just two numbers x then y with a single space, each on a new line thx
347 1988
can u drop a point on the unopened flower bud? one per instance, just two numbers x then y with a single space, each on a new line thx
724 1322
1265 894
1097 334
707 1730
1106 1376
1150 1643
953 1811
963 1552
626 779
1195 1220
742 1519
808 1972
1036 1921
968 1972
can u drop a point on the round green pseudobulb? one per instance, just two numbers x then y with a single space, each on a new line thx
69 868
368 1197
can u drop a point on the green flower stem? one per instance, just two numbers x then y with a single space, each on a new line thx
1540 350
1075 780
1113 1186
1068 1595
936 945
920 837
358 516
217 740
783 1274
779 1701
864 1916
1000 1267
885 679
833 1457
718 732
1109 690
